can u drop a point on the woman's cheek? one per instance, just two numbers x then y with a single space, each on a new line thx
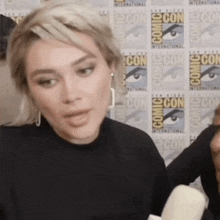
45 99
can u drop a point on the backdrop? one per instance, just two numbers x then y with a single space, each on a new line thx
172 66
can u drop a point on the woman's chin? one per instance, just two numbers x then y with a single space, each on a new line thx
83 134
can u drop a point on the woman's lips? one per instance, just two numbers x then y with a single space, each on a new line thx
78 118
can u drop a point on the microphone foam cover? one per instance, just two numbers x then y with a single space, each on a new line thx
184 203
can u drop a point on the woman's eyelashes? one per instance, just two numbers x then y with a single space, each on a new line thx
82 71
47 83
85 71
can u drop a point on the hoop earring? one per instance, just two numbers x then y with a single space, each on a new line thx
38 119
112 98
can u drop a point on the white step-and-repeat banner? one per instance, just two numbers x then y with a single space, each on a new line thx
172 64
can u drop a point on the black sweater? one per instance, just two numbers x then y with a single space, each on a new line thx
118 176
195 161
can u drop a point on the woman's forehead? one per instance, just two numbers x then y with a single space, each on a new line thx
53 54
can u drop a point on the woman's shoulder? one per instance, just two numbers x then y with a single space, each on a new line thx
8 131
16 139
129 134
14 133
121 128
135 143
13 128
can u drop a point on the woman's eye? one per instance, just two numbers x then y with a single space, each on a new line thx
47 83
86 71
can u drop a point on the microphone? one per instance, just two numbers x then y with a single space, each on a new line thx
154 217
184 203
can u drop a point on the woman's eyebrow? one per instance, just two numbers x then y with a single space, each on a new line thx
40 71
80 60
50 70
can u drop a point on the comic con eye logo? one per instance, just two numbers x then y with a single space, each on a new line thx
173 74
136 116
210 32
206 117
210 74
174 117
135 75
135 33
172 32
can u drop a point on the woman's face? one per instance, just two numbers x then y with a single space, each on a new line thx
70 87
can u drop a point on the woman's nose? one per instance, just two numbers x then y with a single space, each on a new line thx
71 91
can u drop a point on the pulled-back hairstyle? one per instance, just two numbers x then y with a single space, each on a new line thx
58 22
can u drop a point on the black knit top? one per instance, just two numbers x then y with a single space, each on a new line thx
120 175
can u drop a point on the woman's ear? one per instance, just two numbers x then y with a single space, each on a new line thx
112 67
29 95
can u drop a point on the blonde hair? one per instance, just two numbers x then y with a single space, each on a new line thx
59 22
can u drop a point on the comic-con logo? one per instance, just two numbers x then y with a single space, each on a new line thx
167 71
136 72
167 30
17 19
130 2
203 2
136 112
205 71
130 28
168 114
169 148
204 28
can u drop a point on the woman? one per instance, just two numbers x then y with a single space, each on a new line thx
195 161
75 164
